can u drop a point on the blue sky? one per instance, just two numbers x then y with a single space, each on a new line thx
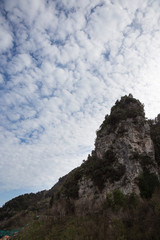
63 64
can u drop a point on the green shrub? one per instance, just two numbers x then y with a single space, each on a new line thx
101 170
98 170
145 160
110 157
132 200
127 107
117 172
147 182
155 135
119 197
116 199
70 187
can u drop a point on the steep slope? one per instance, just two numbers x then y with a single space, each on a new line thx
123 159
126 134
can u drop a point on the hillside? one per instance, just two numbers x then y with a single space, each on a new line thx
17 212
114 190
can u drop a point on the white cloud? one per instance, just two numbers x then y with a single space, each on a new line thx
64 64
19 63
5 35
1 79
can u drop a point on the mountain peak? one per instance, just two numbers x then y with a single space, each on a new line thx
123 154
126 107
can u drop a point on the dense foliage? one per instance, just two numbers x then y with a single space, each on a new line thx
146 161
70 187
155 135
128 218
22 203
127 107
117 200
101 170
148 182
98 170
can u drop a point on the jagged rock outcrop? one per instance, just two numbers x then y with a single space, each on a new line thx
130 141
123 152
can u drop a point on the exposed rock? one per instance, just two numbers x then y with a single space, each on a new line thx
123 150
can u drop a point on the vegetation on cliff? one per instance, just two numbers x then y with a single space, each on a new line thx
133 216
155 135
121 218
127 107
98 170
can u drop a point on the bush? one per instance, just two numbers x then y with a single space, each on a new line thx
132 200
145 160
70 187
98 170
147 182
155 135
116 199
119 197
127 107
117 172
101 170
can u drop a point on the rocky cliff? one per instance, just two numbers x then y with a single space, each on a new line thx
123 159
128 138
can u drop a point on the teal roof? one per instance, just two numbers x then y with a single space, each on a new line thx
8 232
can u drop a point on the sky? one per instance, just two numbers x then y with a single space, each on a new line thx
63 64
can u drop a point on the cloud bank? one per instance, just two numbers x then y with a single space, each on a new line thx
63 65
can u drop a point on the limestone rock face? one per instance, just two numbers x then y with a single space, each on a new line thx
125 149
131 142
126 138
